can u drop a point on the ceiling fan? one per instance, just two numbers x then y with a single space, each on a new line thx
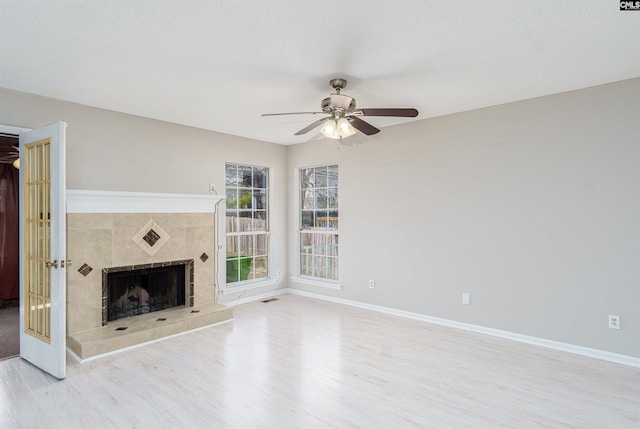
344 118
9 151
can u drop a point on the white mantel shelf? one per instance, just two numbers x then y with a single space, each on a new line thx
87 201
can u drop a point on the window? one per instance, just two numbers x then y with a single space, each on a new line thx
319 222
247 190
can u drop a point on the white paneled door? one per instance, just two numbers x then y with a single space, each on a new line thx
43 260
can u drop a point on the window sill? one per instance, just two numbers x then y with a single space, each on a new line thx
320 283
247 286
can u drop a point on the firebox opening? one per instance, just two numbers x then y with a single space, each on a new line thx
141 291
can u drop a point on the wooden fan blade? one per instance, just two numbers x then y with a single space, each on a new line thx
362 126
399 112
294 113
310 127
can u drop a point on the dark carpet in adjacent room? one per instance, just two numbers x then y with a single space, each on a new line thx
9 331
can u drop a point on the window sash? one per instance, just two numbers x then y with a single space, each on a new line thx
247 223
318 220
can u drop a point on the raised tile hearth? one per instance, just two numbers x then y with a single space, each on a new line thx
144 328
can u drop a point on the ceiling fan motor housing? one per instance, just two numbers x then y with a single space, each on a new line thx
338 102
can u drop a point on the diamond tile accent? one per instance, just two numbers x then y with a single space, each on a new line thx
204 257
85 270
151 237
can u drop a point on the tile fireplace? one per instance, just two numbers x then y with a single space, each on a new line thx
135 254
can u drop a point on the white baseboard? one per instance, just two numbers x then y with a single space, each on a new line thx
542 342
260 297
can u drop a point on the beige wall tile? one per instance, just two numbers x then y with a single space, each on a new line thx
89 221
108 242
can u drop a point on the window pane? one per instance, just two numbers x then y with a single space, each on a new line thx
319 244
332 179
233 273
232 246
322 219
261 244
245 245
260 177
320 177
306 199
306 178
321 198
260 221
245 199
331 222
245 176
260 267
243 222
232 197
231 174
307 220
260 200
231 220
332 245
318 266
332 198
332 268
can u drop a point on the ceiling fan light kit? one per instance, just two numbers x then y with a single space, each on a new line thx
344 118
337 129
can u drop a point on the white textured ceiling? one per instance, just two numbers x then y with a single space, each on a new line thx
218 65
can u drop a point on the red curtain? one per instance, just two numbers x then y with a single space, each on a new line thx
9 264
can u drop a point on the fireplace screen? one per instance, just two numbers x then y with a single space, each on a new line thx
140 291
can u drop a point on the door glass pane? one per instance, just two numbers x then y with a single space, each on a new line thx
37 252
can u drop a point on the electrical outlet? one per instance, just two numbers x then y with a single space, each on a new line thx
372 284
212 188
278 273
465 298
614 321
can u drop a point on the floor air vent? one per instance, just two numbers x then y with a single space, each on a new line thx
270 299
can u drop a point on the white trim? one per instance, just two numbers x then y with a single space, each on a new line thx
10 129
320 283
248 286
260 297
536 341
135 346
89 201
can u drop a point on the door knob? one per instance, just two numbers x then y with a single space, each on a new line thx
53 264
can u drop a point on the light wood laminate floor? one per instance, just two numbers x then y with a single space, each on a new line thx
303 363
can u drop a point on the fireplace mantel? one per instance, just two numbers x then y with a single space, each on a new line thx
88 201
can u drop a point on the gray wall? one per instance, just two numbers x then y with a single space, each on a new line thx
113 151
531 207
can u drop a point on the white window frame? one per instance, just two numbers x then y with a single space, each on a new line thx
305 278
249 283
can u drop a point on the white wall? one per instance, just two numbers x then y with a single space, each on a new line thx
114 151
531 207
